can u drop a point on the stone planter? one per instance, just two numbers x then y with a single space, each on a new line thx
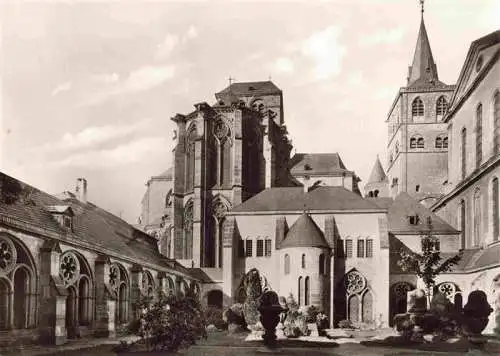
270 310
475 316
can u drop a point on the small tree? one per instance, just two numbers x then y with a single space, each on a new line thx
428 264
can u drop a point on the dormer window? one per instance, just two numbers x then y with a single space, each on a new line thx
413 219
307 167
63 214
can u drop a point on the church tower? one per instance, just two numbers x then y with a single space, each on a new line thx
377 184
417 144
224 154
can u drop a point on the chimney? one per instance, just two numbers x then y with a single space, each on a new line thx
81 189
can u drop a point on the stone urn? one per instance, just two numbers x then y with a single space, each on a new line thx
270 310
475 316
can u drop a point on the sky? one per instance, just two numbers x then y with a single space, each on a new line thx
88 88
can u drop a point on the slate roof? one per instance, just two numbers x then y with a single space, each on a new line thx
250 89
304 233
377 175
295 199
405 206
317 164
423 71
91 225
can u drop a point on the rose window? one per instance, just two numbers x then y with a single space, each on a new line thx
220 210
114 276
69 268
221 130
8 255
354 282
447 288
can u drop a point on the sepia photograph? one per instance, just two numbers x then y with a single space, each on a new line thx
250 177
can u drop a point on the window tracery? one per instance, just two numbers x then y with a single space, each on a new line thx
354 282
69 268
8 255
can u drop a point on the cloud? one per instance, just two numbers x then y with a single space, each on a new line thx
283 65
106 78
92 136
61 88
384 36
124 154
166 47
326 52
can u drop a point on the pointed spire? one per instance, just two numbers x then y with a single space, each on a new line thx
378 174
423 70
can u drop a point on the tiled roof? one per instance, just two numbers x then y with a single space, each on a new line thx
316 164
92 225
378 174
304 233
250 89
382 202
324 198
405 206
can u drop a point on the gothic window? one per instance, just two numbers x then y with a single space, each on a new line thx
441 107
496 123
479 135
190 158
369 248
268 248
417 108
464 152
248 248
361 248
360 299
287 264
76 275
147 284
222 135
17 285
477 217
463 226
398 298
303 260
214 255
348 248
119 282
188 230
307 291
322 264
495 209
300 290
260 247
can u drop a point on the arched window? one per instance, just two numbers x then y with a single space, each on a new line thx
495 218
213 251
464 152
496 123
445 142
307 292
147 284
477 217
463 226
119 282
300 292
17 285
417 141
370 194
322 264
417 108
168 199
222 136
441 107
439 142
287 264
303 260
188 230
190 158
479 135
375 193
77 277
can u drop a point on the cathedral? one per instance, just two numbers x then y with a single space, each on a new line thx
235 200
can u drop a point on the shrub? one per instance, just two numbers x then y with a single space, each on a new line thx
254 291
234 315
311 313
171 322
213 316
295 322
